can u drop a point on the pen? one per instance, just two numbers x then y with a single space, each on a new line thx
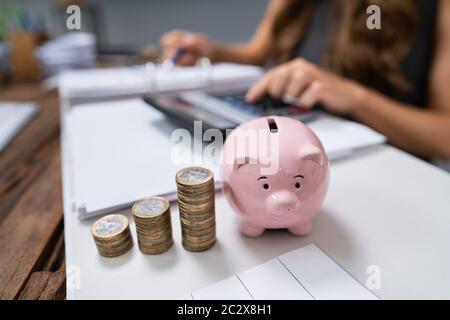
180 52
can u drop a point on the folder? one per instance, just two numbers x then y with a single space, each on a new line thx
142 79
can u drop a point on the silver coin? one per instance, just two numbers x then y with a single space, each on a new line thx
194 175
109 225
150 207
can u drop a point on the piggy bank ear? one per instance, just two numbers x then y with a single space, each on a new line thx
242 162
226 188
312 153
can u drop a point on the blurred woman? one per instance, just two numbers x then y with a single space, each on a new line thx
393 79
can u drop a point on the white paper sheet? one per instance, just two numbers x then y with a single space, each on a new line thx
13 117
322 277
305 273
272 281
341 137
228 289
121 152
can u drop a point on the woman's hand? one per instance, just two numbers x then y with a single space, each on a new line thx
306 84
197 46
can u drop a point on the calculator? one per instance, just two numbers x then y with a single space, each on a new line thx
222 109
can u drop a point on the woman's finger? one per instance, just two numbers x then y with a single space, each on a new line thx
311 95
190 40
298 81
168 53
279 81
172 38
258 90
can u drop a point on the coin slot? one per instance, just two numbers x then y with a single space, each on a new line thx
272 125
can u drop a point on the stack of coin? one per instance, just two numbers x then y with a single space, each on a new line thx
154 230
112 235
195 186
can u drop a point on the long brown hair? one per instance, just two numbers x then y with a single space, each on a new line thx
371 57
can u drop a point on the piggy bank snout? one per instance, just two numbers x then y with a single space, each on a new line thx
282 204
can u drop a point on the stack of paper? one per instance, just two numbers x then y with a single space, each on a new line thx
13 117
138 80
122 151
341 138
71 51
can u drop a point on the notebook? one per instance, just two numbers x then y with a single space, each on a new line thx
121 151
13 117
306 273
141 79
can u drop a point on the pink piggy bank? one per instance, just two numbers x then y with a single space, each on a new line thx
274 174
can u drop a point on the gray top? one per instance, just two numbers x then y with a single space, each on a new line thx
415 65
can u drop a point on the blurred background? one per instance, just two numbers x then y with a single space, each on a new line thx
146 20
28 24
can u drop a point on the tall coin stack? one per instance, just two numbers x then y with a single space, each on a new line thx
195 187
153 226
112 235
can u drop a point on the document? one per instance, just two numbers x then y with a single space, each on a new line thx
341 138
278 282
228 289
303 274
321 276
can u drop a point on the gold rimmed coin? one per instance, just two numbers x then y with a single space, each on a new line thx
153 225
196 192
194 177
112 235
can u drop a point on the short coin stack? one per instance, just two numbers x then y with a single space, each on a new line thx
195 187
112 235
153 226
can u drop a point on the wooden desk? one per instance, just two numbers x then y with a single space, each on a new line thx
31 213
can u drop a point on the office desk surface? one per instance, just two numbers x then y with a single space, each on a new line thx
384 208
31 209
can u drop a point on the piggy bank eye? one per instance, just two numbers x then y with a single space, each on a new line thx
265 185
297 184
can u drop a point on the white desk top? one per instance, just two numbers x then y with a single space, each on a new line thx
383 208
